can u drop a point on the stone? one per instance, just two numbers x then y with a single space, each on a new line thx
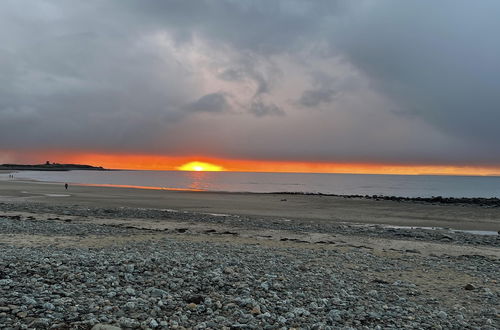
29 300
153 324
488 292
469 287
48 306
155 292
22 314
334 315
197 299
301 312
130 305
256 310
101 326
442 314
41 322
128 322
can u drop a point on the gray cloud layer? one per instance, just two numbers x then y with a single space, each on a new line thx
387 81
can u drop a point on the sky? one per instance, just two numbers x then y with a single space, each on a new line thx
333 84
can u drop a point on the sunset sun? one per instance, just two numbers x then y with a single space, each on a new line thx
200 167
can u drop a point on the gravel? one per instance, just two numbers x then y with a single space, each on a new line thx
249 222
177 283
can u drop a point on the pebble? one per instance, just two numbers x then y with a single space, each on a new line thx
442 314
105 327
469 287
182 284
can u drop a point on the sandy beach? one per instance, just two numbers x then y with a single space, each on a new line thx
123 258
307 208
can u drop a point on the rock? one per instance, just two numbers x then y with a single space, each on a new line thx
301 312
40 322
129 305
442 314
29 300
469 287
229 270
101 326
282 320
22 314
445 237
196 299
6 281
488 292
264 315
128 322
158 293
256 310
334 315
48 306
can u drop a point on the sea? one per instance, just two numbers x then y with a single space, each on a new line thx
325 183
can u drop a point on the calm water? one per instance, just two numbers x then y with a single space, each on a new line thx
393 185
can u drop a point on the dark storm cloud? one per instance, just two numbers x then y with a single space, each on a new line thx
260 109
214 103
404 81
438 60
314 97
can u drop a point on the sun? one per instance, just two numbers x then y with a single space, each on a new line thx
200 167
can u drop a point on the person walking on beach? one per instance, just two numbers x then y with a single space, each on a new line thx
66 186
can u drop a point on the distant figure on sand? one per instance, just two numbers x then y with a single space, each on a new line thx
66 186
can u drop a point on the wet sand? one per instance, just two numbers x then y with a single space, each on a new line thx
307 208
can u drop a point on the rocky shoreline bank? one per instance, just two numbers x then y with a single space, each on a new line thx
479 201
60 270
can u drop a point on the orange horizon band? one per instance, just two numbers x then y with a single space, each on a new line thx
204 163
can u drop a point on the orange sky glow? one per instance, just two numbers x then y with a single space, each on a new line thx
203 163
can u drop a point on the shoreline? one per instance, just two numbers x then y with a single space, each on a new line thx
480 201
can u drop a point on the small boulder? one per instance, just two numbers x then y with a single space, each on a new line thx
469 287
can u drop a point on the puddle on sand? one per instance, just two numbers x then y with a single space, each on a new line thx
56 195
475 232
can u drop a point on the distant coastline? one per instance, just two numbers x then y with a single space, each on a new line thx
50 167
